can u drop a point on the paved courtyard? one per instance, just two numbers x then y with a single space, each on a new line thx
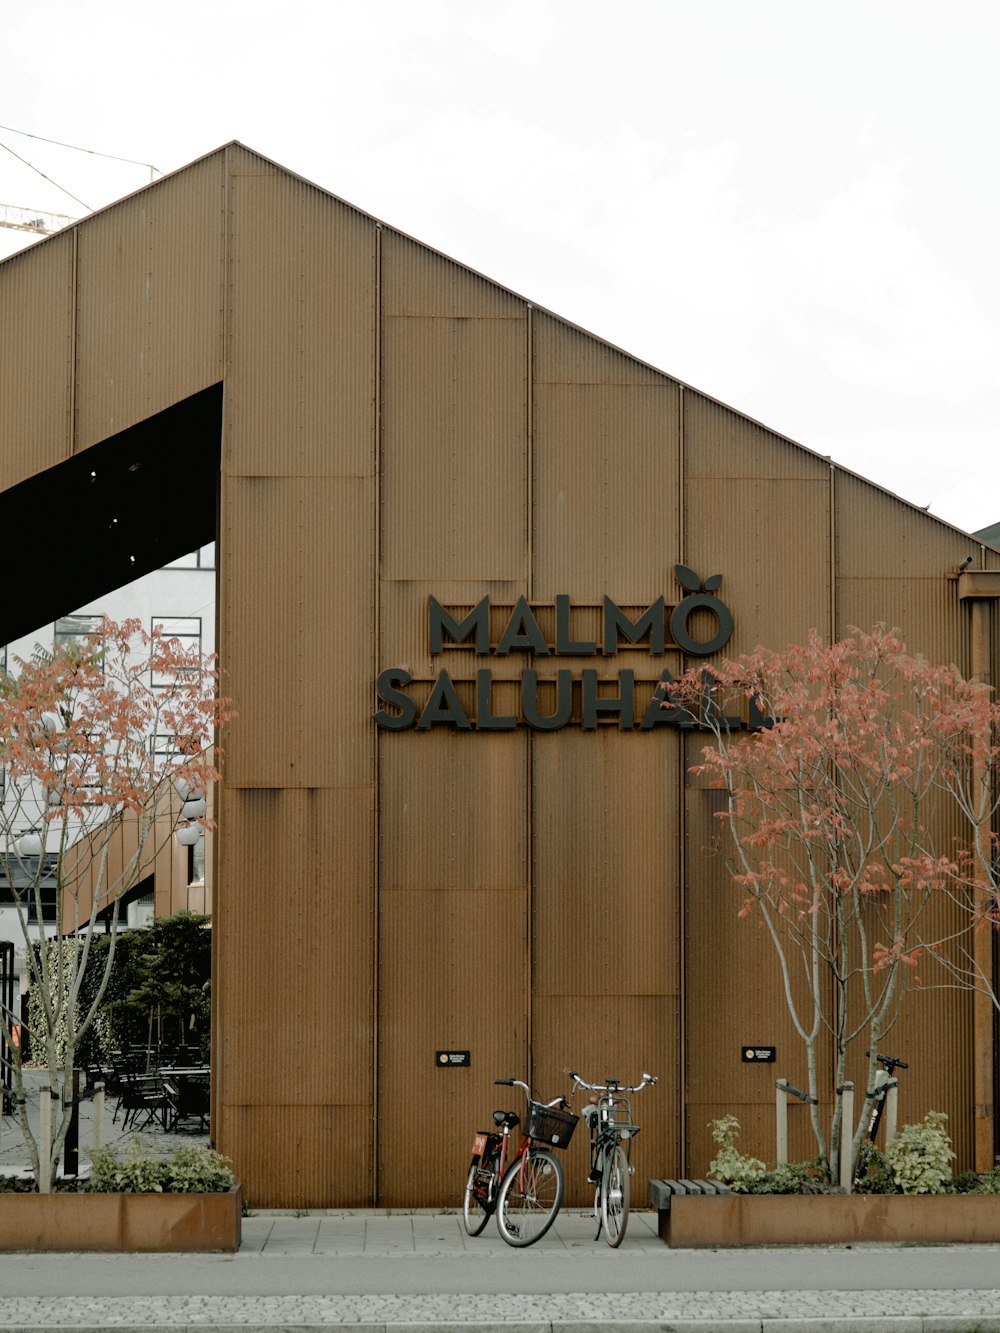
14 1155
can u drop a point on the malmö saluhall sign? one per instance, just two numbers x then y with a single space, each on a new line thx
546 701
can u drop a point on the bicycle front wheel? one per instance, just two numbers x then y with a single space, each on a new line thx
616 1191
475 1211
530 1195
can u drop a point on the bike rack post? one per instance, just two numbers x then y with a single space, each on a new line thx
846 1092
98 1114
891 1109
44 1138
784 1090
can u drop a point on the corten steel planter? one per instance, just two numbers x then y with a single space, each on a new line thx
122 1222
727 1220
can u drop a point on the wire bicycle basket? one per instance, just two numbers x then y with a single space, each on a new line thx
547 1125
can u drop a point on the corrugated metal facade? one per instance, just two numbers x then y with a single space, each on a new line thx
397 428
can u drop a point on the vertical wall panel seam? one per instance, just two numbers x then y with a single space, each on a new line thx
225 285
376 756
529 783
218 1118
74 350
681 527
681 863
529 471
833 554
831 1053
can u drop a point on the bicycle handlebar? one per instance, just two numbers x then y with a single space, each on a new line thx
889 1061
516 1083
611 1084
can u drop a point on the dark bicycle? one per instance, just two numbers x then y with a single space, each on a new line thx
612 1130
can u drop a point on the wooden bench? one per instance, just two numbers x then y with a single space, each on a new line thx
661 1192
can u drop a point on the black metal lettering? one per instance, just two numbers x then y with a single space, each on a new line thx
711 716
444 707
386 689
478 619
664 710
564 701
650 622
759 720
595 705
683 612
522 633
486 719
564 644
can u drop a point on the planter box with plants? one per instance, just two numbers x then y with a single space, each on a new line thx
183 1203
907 1194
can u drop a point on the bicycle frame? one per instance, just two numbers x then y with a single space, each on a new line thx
489 1158
612 1129
488 1187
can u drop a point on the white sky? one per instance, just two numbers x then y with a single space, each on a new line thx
790 205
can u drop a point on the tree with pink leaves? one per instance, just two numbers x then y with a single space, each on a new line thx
858 824
97 738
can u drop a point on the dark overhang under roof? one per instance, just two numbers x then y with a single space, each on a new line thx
106 516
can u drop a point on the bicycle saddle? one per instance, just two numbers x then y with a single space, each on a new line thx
506 1118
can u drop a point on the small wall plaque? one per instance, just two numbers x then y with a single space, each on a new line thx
759 1055
453 1059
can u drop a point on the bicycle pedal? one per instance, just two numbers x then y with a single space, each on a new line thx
593 1178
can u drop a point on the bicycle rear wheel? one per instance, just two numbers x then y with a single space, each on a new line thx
616 1192
475 1207
530 1195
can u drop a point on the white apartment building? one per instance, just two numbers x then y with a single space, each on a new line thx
179 599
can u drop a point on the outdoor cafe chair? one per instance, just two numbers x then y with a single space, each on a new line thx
142 1096
187 1099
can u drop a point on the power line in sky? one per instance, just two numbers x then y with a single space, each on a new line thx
76 149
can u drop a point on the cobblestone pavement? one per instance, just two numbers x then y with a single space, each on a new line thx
692 1312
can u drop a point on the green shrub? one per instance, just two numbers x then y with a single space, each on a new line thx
196 1169
135 1173
969 1182
874 1176
729 1164
794 1178
192 1169
16 1185
919 1157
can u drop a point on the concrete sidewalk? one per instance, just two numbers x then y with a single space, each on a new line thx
410 1271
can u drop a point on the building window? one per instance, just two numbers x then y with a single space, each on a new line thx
70 629
3 672
202 558
196 862
186 629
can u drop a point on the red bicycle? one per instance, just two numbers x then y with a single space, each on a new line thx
527 1194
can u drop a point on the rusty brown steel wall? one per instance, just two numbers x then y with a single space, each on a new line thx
397 428
452 862
294 907
149 316
37 305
